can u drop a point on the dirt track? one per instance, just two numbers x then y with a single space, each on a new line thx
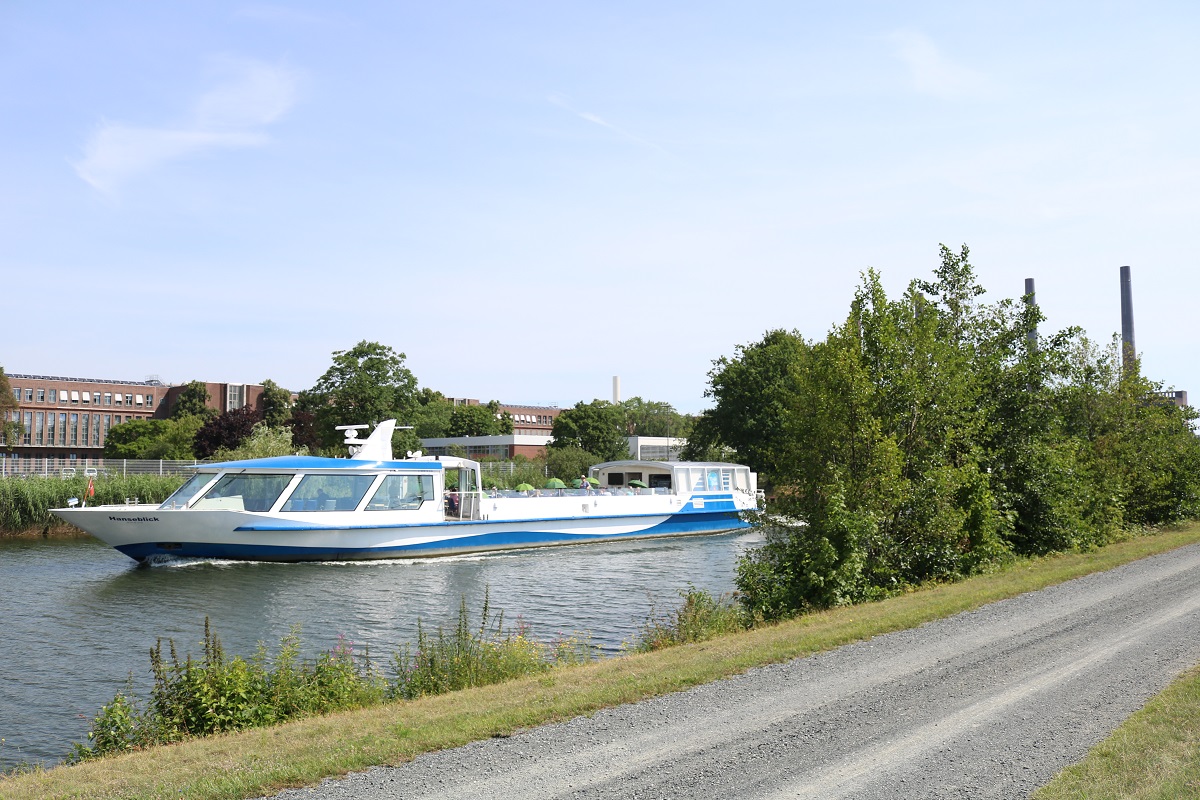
990 703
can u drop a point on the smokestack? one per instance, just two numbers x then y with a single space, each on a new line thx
1128 349
616 389
1031 299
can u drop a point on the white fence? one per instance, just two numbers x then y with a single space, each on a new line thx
68 468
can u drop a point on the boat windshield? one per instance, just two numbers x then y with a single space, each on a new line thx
256 492
402 492
329 493
180 496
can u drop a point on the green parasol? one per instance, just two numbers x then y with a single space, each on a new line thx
555 483
524 487
638 484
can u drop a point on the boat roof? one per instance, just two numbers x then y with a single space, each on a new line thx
277 463
666 464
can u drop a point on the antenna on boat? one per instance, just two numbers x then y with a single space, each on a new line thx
376 447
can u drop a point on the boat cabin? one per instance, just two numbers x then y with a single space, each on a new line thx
676 477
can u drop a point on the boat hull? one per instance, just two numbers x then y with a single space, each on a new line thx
142 533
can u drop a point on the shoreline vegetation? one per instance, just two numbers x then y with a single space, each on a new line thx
263 760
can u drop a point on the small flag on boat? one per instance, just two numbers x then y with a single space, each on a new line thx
91 490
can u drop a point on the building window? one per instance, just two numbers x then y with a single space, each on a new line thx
17 394
54 395
28 437
74 397
235 396
29 395
50 428
87 398
74 429
41 395
128 399
138 399
150 400
62 428
96 399
84 439
107 425
95 430
39 427
108 398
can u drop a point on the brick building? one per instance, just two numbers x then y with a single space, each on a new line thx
69 418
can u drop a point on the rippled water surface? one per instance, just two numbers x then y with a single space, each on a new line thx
78 617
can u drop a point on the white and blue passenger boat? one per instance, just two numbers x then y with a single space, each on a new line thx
370 506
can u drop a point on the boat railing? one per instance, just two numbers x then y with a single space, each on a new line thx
609 491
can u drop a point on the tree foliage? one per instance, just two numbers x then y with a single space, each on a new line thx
479 420
929 434
193 402
275 404
227 431
263 442
10 430
366 384
169 439
596 427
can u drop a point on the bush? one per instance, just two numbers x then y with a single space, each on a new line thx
701 617
214 693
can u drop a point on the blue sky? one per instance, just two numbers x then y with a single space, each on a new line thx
529 200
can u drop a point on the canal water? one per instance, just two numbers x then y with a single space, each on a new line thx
78 618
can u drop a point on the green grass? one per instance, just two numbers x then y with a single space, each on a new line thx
261 761
25 503
1154 755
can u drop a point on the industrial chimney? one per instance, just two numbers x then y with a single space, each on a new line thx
1031 299
616 390
1128 350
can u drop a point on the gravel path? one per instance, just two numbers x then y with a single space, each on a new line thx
987 704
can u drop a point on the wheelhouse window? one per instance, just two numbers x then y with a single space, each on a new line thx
329 493
246 491
180 496
402 492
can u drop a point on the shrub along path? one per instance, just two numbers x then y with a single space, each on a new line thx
1003 668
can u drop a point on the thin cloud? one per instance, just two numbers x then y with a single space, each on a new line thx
248 96
561 102
930 71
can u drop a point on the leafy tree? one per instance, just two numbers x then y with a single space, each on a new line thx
929 434
480 420
11 431
596 427
431 417
227 431
569 463
131 439
365 384
193 402
263 442
654 418
176 440
752 391
276 404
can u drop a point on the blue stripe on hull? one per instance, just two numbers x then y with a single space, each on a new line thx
679 524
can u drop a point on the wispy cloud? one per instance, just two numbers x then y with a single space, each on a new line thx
930 71
246 98
561 102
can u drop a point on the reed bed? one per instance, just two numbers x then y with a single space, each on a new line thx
217 694
25 503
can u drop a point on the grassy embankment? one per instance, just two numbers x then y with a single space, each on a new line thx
1152 756
257 762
